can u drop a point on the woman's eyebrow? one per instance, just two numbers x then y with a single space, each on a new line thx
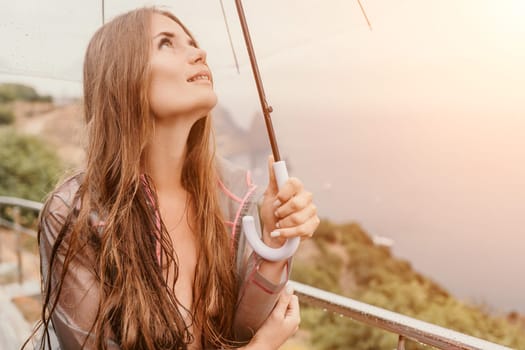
172 35
168 34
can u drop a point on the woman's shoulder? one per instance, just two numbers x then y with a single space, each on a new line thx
61 200
64 194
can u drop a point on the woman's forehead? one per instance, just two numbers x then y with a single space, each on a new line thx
163 24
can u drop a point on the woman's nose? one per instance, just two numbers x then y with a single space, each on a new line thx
198 55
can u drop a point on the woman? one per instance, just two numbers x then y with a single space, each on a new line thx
142 250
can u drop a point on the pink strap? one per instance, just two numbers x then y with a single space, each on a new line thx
251 189
228 192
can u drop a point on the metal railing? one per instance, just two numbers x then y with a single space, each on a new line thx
405 327
16 204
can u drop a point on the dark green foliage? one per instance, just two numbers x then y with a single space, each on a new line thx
6 114
390 283
11 92
321 273
28 168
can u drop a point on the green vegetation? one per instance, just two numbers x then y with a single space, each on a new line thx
28 168
11 92
390 283
16 92
6 114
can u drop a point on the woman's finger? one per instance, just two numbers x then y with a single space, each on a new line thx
305 230
272 183
294 204
297 218
291 187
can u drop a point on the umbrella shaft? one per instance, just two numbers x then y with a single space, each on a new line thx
258 81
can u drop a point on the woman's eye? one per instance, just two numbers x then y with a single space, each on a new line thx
165 42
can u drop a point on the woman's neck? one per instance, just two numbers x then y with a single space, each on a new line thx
166 153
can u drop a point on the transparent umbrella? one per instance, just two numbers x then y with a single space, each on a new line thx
53 45
47 39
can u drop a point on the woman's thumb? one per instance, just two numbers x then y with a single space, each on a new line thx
284 300
272 183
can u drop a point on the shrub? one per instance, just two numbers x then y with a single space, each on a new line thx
6 115
11 92
28 167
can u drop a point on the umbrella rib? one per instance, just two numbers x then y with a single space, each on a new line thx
364 14
103 15
230 37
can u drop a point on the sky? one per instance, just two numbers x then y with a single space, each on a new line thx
414 128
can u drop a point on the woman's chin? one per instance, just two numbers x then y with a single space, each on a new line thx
211 101
214 97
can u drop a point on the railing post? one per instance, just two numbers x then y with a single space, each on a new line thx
1 248
18 233
401 343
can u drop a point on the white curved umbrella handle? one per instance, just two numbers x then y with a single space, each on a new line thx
265 252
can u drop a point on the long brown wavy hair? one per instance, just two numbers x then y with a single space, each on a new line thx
135 301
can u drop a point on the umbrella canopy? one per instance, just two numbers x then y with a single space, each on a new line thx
52 46
280 168
48 39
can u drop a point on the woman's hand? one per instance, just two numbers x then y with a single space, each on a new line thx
282 323
287 212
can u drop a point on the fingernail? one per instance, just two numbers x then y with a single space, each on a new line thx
277 225
289 289
276 215
277 203
274 234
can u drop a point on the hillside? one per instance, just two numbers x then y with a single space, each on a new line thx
343 259
60 126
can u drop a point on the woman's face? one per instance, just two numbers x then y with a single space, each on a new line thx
180 81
